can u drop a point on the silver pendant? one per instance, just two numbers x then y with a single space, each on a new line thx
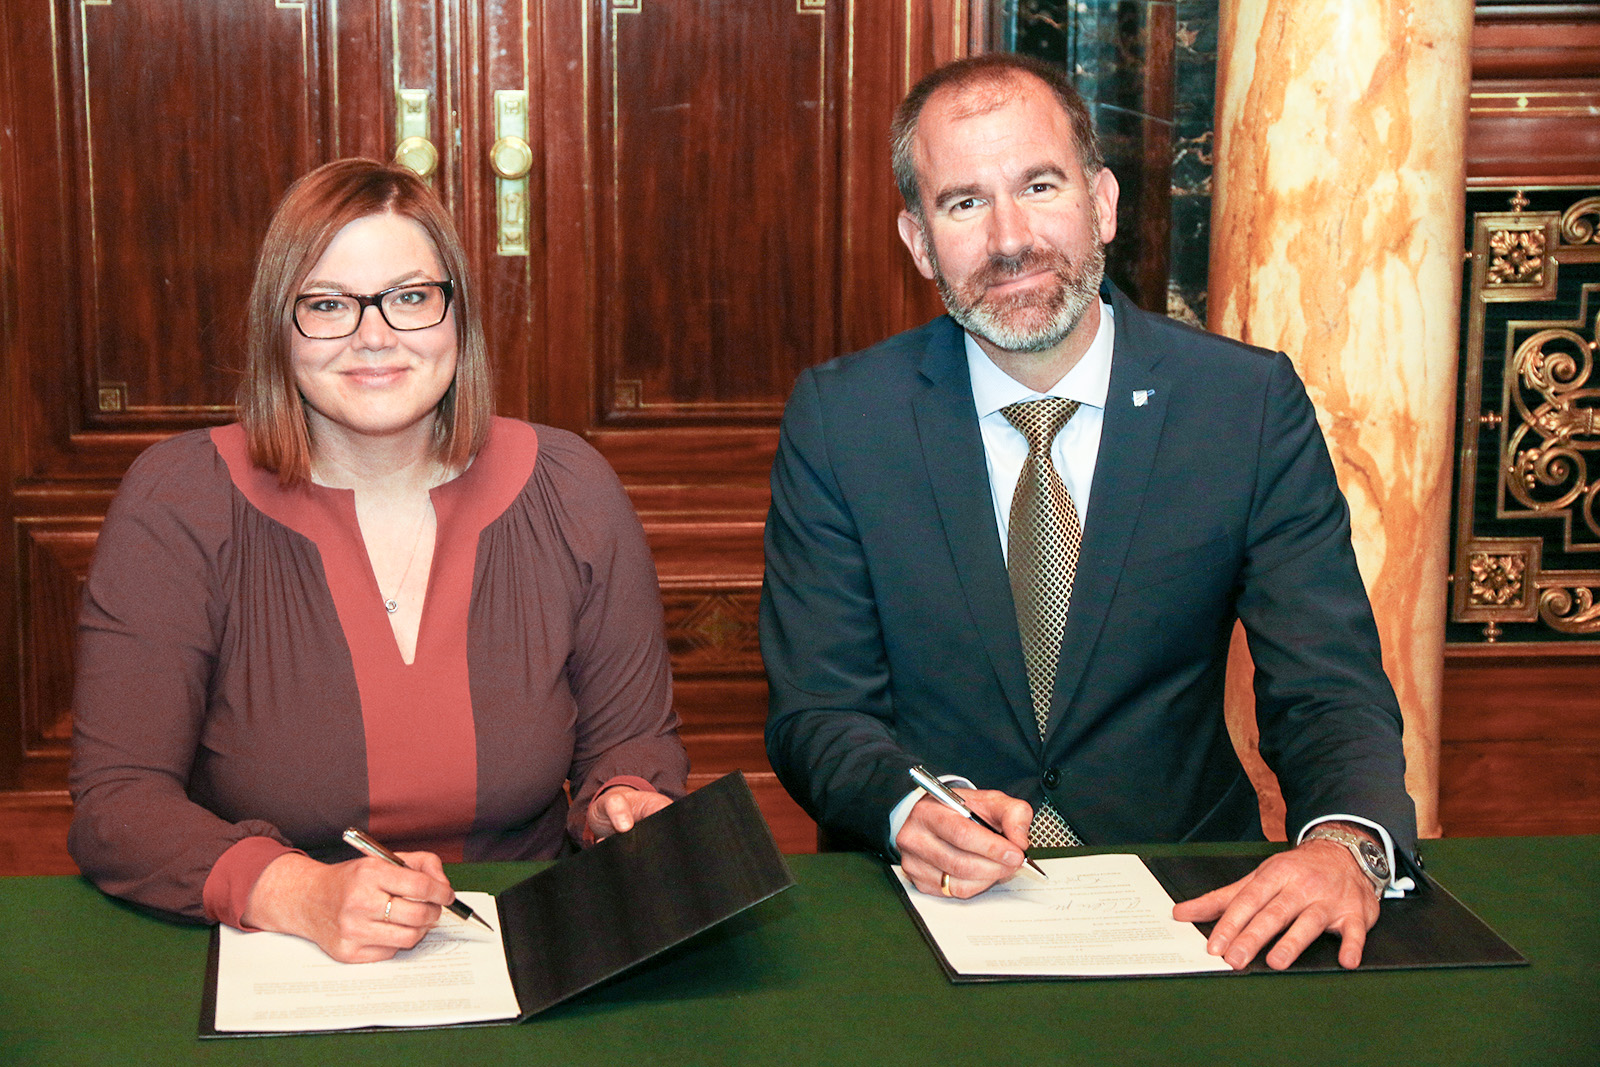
391 605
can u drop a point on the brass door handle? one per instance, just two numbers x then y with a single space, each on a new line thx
414 151
418 154
511 158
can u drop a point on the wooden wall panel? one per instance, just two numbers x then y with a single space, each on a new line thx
711 627
136 178
1520 742
33 833
54 557
718 206
1547 40
1534 132
721 212
1535 95
891 45
147 172
160 290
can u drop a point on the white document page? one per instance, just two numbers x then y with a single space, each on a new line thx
1096 916
457 974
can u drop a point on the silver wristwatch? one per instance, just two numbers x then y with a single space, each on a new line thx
1368 853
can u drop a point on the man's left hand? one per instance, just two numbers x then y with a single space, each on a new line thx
1312 888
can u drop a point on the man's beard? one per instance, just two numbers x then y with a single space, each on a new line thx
1031 321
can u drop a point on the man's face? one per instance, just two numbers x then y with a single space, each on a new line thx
1012 231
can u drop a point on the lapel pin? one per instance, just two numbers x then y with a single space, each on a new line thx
1141 397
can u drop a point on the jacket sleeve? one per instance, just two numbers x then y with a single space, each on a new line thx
1330 724
829 732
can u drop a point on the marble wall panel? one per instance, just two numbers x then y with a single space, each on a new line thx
1193 122
1040 28
1136 150
1148 68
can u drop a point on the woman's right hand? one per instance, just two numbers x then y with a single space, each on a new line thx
358 911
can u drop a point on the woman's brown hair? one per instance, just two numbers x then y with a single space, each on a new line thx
308 218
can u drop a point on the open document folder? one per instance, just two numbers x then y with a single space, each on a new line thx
574 924
1110 916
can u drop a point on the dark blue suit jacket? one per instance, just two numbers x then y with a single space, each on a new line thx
890 639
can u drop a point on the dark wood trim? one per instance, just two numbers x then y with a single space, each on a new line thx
34 840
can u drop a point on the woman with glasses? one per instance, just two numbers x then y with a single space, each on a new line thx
369 603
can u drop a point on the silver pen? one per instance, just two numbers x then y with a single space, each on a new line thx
940 792
358 840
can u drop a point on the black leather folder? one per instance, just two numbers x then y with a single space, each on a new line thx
594 915
602 911
1428 927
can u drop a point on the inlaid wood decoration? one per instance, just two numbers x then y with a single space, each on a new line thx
1527 544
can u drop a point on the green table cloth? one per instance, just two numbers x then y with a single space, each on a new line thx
834 972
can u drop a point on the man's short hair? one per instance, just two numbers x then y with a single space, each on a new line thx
998 71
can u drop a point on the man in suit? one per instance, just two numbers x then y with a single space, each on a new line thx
1011 545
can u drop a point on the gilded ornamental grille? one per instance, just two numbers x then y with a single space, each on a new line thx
1527 507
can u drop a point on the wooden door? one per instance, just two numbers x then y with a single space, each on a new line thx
706 208
722 216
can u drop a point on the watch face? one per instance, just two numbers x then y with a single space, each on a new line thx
1375 859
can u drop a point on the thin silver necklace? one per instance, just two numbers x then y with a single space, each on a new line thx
391 604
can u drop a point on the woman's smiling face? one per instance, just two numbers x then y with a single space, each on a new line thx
378 381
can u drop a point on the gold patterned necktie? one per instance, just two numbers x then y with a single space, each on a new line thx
1042 557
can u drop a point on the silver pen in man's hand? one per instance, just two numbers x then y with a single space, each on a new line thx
941 792
358 840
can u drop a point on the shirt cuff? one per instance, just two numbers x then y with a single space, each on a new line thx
902 811
234 875
1398 886
633 780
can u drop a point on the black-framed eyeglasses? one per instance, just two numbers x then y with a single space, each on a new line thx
413 306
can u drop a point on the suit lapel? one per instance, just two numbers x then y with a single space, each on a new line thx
1136 405
952 450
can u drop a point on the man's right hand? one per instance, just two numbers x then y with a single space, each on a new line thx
936 841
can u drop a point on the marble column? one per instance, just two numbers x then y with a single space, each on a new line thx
1337 238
